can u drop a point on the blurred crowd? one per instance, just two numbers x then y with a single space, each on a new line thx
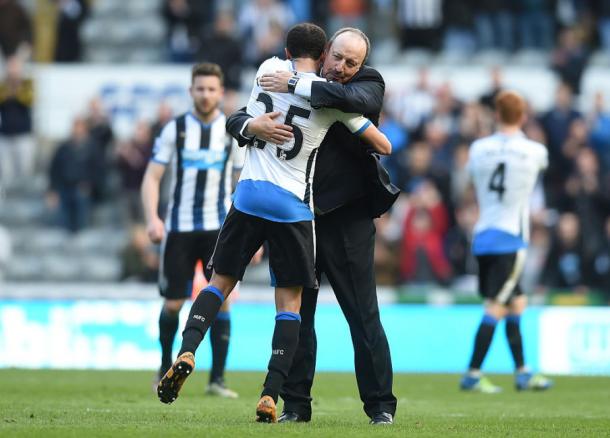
425 239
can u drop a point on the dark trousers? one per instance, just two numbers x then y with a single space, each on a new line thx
345 243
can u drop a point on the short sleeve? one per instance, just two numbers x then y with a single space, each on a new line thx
356 123
238 155
165 144
544 157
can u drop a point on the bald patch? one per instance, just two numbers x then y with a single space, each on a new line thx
351 45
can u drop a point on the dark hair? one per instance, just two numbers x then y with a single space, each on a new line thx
207 69
306 40
357 32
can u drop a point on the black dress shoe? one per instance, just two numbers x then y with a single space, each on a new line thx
292 417
382 418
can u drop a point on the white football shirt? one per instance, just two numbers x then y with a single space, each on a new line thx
504 169
276 180
201 184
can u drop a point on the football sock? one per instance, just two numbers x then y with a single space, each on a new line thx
515 342
202 315
168 326
482 340
220 332
283 347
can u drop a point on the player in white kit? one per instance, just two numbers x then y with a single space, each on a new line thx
504 168
273 204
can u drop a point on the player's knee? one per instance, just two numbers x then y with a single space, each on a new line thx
224 283
173 306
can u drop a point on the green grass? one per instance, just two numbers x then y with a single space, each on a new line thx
114 403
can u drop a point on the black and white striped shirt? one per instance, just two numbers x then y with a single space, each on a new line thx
203 157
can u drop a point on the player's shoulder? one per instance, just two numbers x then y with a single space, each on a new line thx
535 146
482 143
274 64
169 129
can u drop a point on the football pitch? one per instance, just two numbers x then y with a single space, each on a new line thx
121 403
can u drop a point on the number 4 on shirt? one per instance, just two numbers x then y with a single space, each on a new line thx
496 182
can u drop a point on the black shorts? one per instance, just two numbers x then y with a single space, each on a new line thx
180 252
499 275
291 248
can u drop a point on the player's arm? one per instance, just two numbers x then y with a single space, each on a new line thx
244 128
366 130
377 139
163 151
363 94
150 200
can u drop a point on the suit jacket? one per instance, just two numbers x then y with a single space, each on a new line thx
346 169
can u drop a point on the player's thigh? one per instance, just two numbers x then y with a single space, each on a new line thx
177 267
499 276
240 237
292 253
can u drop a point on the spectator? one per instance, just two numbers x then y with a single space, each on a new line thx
223 48
102 137
132 159
599 128
72 175
68 46
422 258
420 23
412 107
15 28
460 176
263 24
183 22
585 197
164 115
600 265
17 146
475 122
556 124
494 23
399 138
569 59
565 261
459 239
139 259
489 98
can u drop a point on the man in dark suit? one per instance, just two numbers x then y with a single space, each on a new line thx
347 192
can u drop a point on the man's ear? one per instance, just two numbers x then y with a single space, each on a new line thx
288 55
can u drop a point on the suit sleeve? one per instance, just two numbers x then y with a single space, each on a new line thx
362 95
235 125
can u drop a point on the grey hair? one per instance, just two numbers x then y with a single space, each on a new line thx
357 32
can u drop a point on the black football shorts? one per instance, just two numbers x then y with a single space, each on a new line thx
499 275
291 248
180 252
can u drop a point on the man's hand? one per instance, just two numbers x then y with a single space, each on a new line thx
276 82
155 230
266 128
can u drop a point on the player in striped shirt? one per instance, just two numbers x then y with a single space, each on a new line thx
204 162
272 203
504 168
